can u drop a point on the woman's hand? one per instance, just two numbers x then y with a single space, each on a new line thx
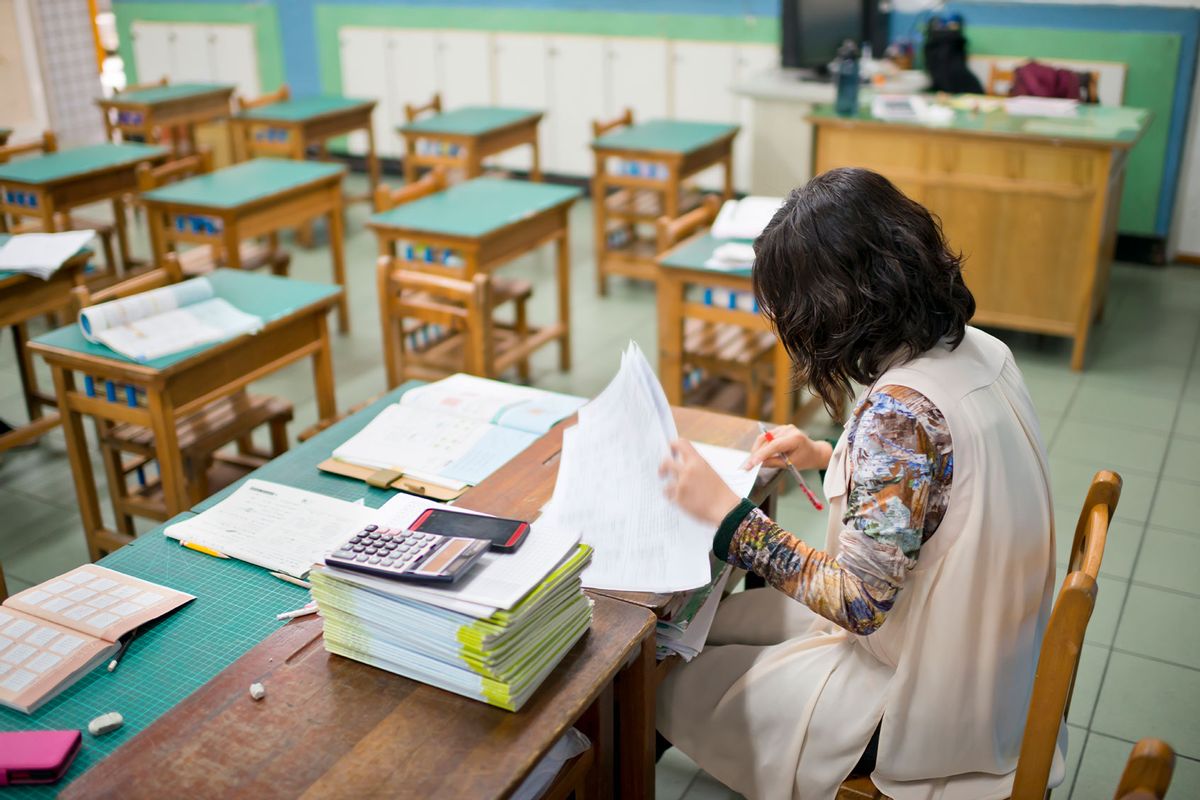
695 486
794 443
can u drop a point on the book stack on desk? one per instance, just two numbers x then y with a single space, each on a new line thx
684 628
494 635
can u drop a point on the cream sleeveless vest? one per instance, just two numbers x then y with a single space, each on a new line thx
782 703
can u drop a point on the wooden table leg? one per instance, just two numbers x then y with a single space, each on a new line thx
670 337
635 701
597 724
410 158
781 413
563 263
81 465
166 452
118 206
372 163
336 244
535 170
728 161
233 246
27 372
600 220
323 374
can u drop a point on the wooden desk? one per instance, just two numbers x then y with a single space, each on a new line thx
294 313
290 128
146 113
248 200
525 484
487 222
639 177
469 135
1030 202
47 185
22 298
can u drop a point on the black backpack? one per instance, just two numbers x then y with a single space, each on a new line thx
946 61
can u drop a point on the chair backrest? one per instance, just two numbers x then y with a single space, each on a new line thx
165 274
431 182
999 79
434 106
1062 643
199 163
672 231
281 94
47 144
601 127
133 87
1148 771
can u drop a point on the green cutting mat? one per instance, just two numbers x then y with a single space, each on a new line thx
234 610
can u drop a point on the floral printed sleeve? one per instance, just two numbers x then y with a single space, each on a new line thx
900 466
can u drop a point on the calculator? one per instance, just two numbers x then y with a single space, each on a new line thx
408 555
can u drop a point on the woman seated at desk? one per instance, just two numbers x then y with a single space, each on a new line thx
906 649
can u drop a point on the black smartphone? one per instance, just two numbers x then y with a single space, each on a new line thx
504 535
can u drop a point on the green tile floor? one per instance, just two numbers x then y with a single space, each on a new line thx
1136 409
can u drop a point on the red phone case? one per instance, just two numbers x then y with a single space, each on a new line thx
28 757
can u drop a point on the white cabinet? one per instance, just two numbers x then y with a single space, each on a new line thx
702 78
519 61
752 59
464 65
411 76
364 55
196 53
636 76
575 66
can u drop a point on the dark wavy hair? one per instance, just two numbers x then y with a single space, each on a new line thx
855 276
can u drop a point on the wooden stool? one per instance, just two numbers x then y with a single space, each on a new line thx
1058 659
1148 771
203 259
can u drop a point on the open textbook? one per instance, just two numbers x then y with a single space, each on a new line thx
745 218
162 322
53 634
453 433
610 492
41 254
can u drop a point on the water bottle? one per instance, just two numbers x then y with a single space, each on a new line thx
846 70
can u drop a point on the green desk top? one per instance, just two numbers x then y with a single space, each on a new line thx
244 183
5 274
1105 124
694 252
173 91
302 109
475 208
667 136
470 121
67 164
267 296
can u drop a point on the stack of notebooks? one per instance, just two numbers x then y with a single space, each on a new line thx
683 628
495 635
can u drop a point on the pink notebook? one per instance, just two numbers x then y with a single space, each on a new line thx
36 756
54 633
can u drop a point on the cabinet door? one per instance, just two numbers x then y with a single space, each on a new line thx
464 68
752 60
636 75
151 50
191 54
576 68
520 62
235 57
702 77
364 55
411 76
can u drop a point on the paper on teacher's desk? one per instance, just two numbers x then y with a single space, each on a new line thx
41 254
274 526
609 489
745 218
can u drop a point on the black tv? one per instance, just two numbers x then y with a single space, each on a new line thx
811 31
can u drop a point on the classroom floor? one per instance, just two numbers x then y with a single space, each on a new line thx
1135 410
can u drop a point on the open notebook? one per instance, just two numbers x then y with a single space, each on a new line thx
53 634
443 437
162 322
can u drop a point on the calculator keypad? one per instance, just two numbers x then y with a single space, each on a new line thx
389 552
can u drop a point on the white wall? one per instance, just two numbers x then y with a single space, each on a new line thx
24 106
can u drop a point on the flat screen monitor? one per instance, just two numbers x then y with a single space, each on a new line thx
811 31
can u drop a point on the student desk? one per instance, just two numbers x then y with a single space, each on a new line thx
145 113
287 129
470 135
54 183
1031 202
22 298
487 222
294 315
328 725
248 200
652 160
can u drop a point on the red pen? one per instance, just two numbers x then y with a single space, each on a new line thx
812 498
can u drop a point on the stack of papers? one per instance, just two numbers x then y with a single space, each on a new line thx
42 254
685 631
457 431
610 493
494 635
745 218
165 321
1029 106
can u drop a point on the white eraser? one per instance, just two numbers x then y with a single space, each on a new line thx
105 723
258 691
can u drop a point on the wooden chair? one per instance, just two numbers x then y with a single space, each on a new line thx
127 449
723 350
1148 771
1062 644
205 258
281 94
416 339
434 106
66 221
